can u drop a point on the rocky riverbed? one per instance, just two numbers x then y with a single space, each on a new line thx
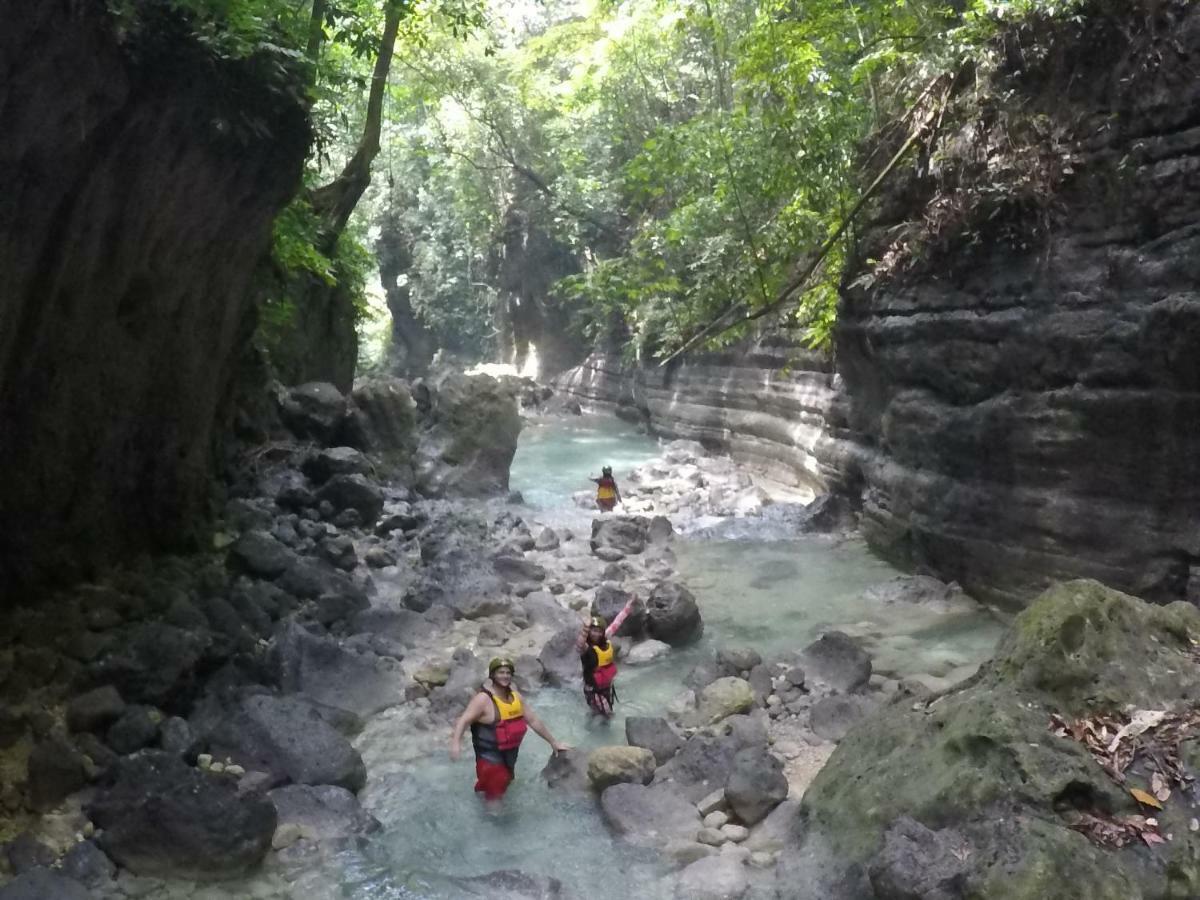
258 721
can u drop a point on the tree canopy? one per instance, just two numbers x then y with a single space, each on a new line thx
684 167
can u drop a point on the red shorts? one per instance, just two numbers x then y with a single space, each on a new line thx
606 504
492 779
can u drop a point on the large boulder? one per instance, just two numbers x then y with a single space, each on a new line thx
610 600
289 740
649 815
617 765
756 785
724 697
837 661
313 411
567 771
514 568
153 663
655 734
625 534
95 710
383 422
560 662
321 465
320 667
258 553
470 437
354 492
160 817
672 614
1013 797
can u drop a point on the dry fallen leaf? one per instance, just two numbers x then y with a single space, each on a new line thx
1145 799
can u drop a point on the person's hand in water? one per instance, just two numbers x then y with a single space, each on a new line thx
560 748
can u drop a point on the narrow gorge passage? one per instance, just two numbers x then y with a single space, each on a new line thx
774 596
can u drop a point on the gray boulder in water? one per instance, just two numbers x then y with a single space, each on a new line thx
673 616
161 817
756 785
471 432
835 659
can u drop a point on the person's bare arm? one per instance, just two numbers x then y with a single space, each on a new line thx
540 729
473 713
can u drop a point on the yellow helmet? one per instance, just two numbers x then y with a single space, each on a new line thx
501 662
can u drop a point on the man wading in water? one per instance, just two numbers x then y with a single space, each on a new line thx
498 721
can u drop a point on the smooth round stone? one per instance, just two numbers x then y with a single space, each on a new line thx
735 833
711 836
716 819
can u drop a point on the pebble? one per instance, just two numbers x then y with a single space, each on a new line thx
285 835
710 836
735 833
235 770
204 760
712 803
716 819
761 859
217 767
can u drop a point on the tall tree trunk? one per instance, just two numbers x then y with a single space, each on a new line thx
326 342
334 202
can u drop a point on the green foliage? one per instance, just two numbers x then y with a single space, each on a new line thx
694 153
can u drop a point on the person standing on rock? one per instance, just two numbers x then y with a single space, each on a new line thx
498 719
598 657
608 494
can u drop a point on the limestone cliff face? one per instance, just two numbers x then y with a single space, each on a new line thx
138 181
1028 396
1023 404
774 406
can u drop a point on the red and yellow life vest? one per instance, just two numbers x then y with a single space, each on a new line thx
606 489
606 668
502 737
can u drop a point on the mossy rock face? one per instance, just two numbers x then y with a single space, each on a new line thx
983 763
1092 648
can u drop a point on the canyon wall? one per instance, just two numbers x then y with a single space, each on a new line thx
1015 391
139 176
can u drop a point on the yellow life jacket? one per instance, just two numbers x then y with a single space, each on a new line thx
605 492
510 710
604 655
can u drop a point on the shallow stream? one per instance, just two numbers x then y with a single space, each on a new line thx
773 596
